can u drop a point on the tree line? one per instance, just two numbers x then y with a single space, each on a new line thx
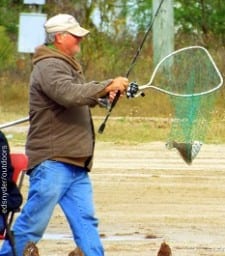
117 28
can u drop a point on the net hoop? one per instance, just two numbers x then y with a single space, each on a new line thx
149 84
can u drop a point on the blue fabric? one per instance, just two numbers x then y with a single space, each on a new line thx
53 183
2 225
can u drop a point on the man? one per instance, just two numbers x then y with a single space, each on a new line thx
60 141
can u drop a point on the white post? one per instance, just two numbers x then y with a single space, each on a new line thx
163 30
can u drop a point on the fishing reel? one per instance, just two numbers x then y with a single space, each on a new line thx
133 91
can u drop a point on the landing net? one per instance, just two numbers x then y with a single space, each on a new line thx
192 113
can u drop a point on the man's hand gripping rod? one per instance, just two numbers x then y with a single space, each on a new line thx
132 91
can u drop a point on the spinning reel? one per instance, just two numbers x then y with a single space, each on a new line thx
133 91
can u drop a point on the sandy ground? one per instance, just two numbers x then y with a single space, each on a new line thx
144 195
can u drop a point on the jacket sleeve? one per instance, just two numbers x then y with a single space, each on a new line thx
66 86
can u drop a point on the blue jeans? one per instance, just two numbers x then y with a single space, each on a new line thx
53 183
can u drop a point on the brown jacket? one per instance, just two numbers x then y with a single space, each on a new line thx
61 126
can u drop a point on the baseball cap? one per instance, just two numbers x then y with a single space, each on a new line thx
65 23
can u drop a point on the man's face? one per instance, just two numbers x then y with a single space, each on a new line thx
68 43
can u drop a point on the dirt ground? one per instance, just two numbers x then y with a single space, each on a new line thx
144 195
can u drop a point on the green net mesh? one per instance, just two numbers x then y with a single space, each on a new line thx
194 77
191 78
191 117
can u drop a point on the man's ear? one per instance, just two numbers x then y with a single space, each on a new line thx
58 38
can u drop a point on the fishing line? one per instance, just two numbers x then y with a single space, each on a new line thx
113 104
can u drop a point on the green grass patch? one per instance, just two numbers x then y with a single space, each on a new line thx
133 130
129 131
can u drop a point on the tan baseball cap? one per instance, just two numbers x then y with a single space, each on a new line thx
65 23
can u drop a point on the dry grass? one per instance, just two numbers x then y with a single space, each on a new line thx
132 121
127 131
13 100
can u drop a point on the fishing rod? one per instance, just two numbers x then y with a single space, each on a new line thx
19 121
115 100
